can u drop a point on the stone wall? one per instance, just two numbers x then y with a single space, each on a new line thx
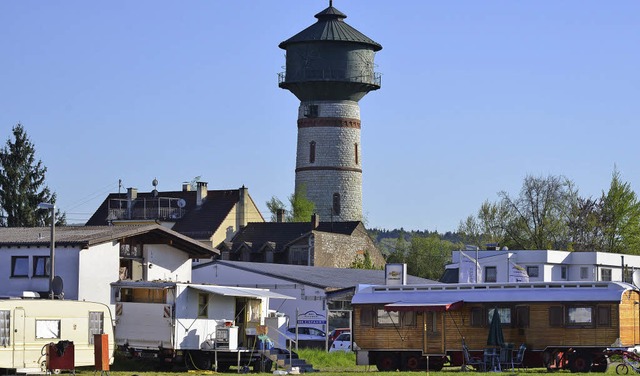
336 166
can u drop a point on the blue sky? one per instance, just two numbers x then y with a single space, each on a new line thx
475 96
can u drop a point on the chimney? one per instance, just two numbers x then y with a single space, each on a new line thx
315 221
280 215
186 187
241 210
132 195
201 191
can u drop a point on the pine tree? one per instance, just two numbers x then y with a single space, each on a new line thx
22 185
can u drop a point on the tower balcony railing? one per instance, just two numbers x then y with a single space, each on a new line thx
374 78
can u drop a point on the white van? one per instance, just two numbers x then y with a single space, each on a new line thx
28 326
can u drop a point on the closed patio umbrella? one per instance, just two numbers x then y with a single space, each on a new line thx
496 337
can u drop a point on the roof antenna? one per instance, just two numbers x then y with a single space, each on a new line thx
330 3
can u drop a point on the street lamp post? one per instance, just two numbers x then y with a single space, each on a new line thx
52 250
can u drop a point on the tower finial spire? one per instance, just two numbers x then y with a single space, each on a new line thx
330 3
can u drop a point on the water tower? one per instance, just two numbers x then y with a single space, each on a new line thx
329 68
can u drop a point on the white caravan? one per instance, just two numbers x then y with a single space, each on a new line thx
198 324
28 326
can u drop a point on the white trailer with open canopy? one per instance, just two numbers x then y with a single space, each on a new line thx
198 325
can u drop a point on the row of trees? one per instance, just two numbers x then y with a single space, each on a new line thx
549 213
22 184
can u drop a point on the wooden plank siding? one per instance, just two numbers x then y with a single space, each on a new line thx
537 335
630 318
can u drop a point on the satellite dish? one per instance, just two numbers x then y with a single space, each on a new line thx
636 278
56 285
182 203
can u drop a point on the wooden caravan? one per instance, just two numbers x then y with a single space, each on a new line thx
563 325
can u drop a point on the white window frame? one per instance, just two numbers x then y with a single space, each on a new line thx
47 329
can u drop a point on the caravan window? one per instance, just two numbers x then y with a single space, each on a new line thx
522 316
504 313
408 318
5 328
580 316
96 324
143 295
385 318
48 329
604 315
366 316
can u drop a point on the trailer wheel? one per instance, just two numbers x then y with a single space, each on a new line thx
223 367
600 364
412 362
580 363
386 362
198 361
622 369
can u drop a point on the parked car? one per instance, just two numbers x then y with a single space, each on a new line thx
342 343
336 332
307 333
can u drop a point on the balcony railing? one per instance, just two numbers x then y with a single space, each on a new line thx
375 78
161 208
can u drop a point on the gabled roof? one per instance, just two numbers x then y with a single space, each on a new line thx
87 236
198 222
331 27
255 235
321 277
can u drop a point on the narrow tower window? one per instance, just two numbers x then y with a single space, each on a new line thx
336 203
312 152
311 111
356 151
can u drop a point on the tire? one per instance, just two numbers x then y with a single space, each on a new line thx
198 361
386 362
622 369
580 363
600 364
412 363
436 365
223 367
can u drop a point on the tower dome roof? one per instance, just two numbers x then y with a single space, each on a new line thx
331 27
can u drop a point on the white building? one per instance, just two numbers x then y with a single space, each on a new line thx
540 266
309 285
89 258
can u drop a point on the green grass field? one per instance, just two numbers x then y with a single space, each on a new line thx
325 363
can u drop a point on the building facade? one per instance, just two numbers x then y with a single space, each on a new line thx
503 266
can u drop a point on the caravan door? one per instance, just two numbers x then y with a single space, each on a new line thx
18 338
434 333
